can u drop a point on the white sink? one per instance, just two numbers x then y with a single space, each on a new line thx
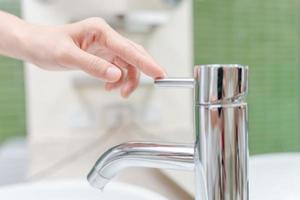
275 177
76 190
271 176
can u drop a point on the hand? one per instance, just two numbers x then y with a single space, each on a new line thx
93 46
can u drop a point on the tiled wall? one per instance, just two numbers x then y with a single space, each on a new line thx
12 103
264 35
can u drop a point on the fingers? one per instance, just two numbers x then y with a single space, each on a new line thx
114 73
122 66
129 80
129 52
133 77
113 85
125 71
93 65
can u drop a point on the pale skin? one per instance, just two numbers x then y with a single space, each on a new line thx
90 45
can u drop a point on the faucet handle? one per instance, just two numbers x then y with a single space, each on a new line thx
213 83
175 82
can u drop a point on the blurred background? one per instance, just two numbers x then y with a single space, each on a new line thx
55 124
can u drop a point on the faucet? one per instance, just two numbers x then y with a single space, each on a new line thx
219 156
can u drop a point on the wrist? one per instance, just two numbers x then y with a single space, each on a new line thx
24 41
13 36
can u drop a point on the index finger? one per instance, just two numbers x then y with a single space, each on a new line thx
128 52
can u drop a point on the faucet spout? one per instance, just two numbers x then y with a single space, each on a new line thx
135 154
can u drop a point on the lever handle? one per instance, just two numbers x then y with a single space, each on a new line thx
213 83
175 82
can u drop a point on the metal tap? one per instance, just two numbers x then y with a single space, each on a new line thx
219 156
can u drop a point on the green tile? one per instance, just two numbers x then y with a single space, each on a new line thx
12 94
264 35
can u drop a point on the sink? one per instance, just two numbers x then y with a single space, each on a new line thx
76 190
275 176
272 176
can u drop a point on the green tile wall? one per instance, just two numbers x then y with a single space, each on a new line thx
265 35
12 97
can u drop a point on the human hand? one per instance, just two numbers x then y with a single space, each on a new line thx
93 46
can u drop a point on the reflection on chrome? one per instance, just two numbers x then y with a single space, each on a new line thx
219 156
134 154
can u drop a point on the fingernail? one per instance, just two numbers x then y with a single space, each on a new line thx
165 74
125 96
124 92
113 74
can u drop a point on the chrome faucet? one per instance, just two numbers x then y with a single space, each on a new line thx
219 156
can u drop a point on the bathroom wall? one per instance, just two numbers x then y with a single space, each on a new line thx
12 94
72 120
61 104
265 36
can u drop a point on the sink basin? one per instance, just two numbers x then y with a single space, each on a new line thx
76 190
275 176
272 176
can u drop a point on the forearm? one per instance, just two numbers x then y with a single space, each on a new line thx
13 35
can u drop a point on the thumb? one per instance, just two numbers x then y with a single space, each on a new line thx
95 65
